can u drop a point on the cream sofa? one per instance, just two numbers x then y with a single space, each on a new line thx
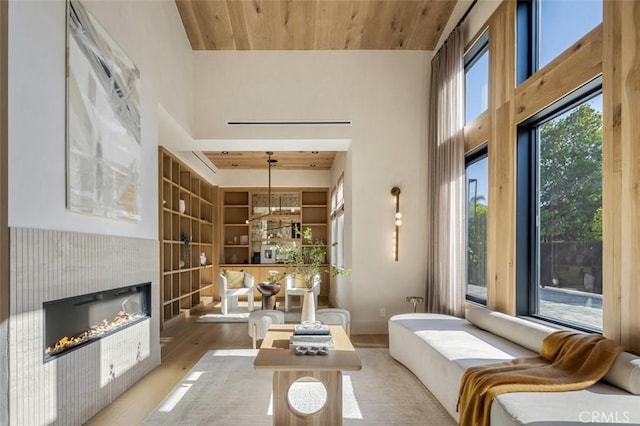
438 348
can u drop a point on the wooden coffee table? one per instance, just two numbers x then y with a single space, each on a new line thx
287 367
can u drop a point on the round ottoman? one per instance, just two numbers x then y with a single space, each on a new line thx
259 322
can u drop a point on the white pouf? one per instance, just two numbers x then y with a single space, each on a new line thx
259 322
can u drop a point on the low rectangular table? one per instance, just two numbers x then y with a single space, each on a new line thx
287 367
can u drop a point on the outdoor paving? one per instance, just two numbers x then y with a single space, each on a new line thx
566 305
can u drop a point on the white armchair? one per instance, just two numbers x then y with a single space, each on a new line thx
229 296
291 290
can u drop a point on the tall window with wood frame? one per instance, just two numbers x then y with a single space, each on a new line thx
476 78
565 218
477 208
559 176
545 30
555 33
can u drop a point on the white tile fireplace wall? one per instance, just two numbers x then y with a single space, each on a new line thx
49 265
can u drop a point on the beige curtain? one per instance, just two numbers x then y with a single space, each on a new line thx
445 186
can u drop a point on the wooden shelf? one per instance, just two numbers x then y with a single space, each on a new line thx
236 206
182 288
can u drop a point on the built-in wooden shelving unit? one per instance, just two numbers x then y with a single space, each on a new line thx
185 283
295 210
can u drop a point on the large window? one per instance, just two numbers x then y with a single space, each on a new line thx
562 251
337 224
563 22
477 178
549 27
476 78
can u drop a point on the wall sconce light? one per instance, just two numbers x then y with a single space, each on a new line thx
395 191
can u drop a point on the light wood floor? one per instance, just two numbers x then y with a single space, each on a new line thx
182 346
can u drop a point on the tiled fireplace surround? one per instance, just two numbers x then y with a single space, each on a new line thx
49 265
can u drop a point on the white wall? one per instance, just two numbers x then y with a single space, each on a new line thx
384 93
151 34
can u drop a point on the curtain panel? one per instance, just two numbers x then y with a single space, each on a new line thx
445 187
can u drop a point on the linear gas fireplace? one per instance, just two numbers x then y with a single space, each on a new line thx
76 321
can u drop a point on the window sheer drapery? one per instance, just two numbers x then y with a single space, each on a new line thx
445 186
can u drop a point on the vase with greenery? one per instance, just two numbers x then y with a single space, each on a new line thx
307 262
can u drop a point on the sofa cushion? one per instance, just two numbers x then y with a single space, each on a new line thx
520 331
438 348
625 373
235 279
598 404
298 281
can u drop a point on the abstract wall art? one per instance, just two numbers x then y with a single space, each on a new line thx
103 122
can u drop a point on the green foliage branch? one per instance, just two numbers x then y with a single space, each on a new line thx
308 261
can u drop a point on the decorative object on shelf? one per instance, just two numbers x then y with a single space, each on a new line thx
256 258
295 230
186 245
203 259
182 207
181 264
234 258
244 240
268 254
395 191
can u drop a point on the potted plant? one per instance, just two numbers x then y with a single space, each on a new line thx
307 262
275 277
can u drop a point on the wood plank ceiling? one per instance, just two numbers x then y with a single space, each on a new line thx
314 24
287 160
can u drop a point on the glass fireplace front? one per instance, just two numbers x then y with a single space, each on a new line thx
76 321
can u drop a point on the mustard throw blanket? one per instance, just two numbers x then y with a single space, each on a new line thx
568 361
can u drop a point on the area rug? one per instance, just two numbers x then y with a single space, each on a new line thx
224 389
240 315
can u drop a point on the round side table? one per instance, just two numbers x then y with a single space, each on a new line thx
268 292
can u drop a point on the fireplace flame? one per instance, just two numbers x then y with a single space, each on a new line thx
122 318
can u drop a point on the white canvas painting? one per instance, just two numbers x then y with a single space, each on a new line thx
103 122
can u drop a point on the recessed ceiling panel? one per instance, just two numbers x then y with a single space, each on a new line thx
286 160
